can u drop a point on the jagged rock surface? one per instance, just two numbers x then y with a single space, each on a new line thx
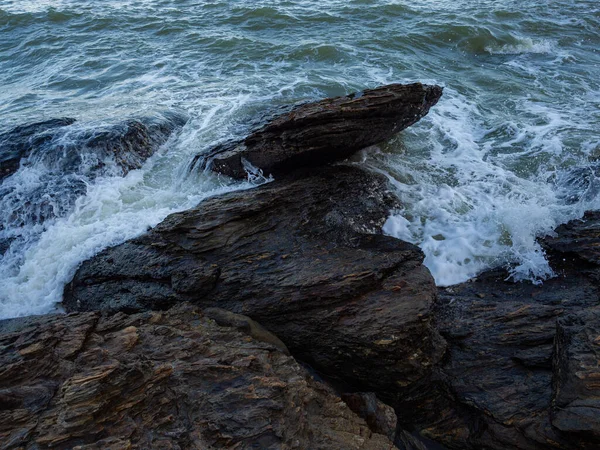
303 256
314 134
522 365
162 380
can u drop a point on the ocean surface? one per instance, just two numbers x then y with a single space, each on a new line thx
509 152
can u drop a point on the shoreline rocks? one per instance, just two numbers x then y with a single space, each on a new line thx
170 379
305 257
521 369
301 266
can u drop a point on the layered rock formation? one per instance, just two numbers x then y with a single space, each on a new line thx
318 133
305 257
522 367
162 380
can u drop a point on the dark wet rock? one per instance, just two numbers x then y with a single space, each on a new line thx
305 257
314 134
576 396
19 142
406 441
61 146
168 380
576 243
521 370
63 157
380 417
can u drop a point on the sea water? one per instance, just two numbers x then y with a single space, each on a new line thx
507 154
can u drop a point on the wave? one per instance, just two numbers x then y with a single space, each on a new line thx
523 45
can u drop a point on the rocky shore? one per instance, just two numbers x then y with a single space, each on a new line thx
282 317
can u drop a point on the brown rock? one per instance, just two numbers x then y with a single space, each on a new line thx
305 257
317 133
171 380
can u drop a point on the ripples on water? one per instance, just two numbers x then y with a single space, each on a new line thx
496 163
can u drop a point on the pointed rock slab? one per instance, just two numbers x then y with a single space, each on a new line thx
169 380
318 133
303 256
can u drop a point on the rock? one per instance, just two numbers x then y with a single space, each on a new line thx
62 158
314 134
380 417
576 242
521 369
172 379
305 257
256 330
61 146
406 441
20 141
576 396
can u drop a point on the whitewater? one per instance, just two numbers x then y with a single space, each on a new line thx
510 151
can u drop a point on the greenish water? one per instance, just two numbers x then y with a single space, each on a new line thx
507 154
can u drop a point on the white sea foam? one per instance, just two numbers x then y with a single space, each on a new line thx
466 208
113 210
524 45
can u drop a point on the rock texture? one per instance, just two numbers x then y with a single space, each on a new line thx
380 417
305 257
318 133
62 158
522 368
56 143
20 141
162 380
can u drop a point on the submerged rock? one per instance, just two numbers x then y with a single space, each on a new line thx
305 257
57 145
59 158
173 380
314 134
19 142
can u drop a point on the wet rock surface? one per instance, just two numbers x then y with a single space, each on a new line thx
314 134
56 143
61 157
521 370
20 141
305 257
169 380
